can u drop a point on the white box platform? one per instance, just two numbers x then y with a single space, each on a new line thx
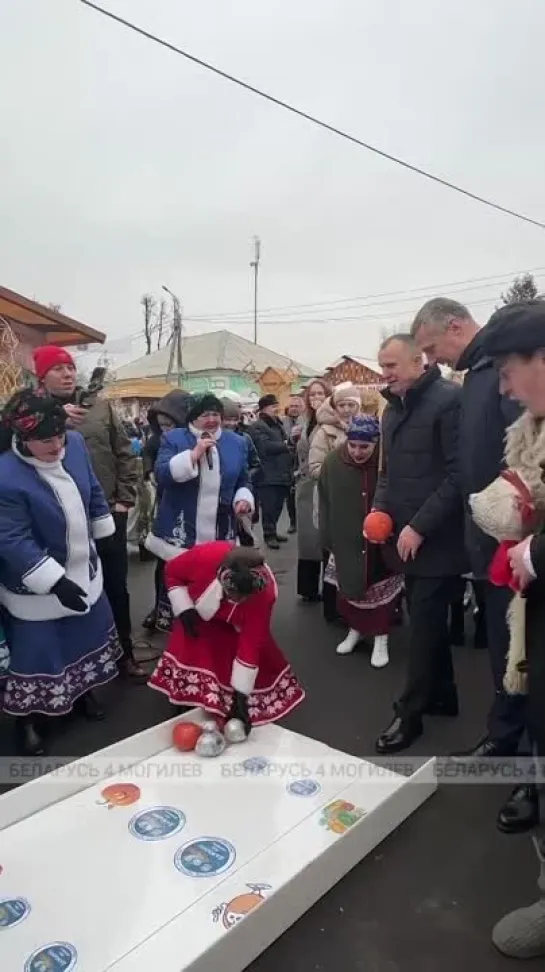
91 885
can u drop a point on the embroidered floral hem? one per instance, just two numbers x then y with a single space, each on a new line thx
55 695
199 688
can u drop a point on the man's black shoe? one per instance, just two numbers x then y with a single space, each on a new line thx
487 749
281 539
400 734
521 812
272 543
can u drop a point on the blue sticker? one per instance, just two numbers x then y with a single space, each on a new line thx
256 764
304 788
158 823
205 857
57 957
12 911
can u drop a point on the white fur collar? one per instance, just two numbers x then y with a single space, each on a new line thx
525 451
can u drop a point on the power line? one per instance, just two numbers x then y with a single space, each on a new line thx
311 118
323 306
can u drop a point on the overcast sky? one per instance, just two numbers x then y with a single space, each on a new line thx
124 167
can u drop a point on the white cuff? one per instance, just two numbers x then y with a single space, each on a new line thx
244 495
527 560
182 468
41 578
243 677
102 527
180 600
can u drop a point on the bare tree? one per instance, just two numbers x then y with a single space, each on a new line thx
149 305
162 319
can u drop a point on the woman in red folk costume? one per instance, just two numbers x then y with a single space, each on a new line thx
221 655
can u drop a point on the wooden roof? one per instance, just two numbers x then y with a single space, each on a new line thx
55 328
140 388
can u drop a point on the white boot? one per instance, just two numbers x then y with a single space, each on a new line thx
380 656
349 643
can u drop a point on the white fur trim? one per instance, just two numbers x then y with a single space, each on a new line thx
206 518
243 677
516 682
41 578
180 600
208 603
527 559
244 495
102 527
162 549
69 499
47 607
182 469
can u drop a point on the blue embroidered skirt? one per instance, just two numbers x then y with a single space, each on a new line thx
53 663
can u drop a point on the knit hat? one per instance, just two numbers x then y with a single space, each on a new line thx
50 356
347 392
363 428
267 400
199 404
231 409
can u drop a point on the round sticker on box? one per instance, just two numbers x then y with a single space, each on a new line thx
205 857
13 911
157 823
256 764
304 788
57 957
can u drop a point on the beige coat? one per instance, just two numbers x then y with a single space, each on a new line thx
331 432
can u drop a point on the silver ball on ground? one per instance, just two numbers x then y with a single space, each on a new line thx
211 742
234 731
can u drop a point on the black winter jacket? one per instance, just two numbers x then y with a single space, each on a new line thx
486 416
419 483
269 438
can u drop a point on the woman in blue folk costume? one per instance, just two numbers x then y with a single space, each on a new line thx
202 476
58 623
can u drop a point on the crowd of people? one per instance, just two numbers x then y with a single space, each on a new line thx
457 466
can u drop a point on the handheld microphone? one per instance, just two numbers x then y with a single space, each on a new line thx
209 456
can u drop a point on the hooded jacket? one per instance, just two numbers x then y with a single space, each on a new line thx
175 406
330 433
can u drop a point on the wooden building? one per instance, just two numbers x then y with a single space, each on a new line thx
360 371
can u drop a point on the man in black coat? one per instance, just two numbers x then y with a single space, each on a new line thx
276 474
419 488
515 339
446 332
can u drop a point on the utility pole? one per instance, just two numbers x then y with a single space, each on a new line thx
175 359
255 265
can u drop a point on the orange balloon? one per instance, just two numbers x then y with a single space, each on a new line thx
121 794
185 735
378 527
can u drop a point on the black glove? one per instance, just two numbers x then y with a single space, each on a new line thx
190 621
70 595
239 710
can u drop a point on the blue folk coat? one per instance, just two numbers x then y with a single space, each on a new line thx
50 514
197 504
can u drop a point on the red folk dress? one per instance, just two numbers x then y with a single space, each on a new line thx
234 649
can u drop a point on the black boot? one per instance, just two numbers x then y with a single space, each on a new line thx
399 735
521 812
89 707
29 741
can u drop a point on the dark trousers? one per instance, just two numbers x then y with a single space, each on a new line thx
290 506
115 567
309 574
272 499
430 676
507 717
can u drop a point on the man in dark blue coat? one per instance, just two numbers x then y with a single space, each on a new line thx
418 487
447 334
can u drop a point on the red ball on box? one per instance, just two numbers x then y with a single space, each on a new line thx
378 527
185 735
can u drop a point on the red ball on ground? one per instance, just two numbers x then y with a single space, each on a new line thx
185 735
378 527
